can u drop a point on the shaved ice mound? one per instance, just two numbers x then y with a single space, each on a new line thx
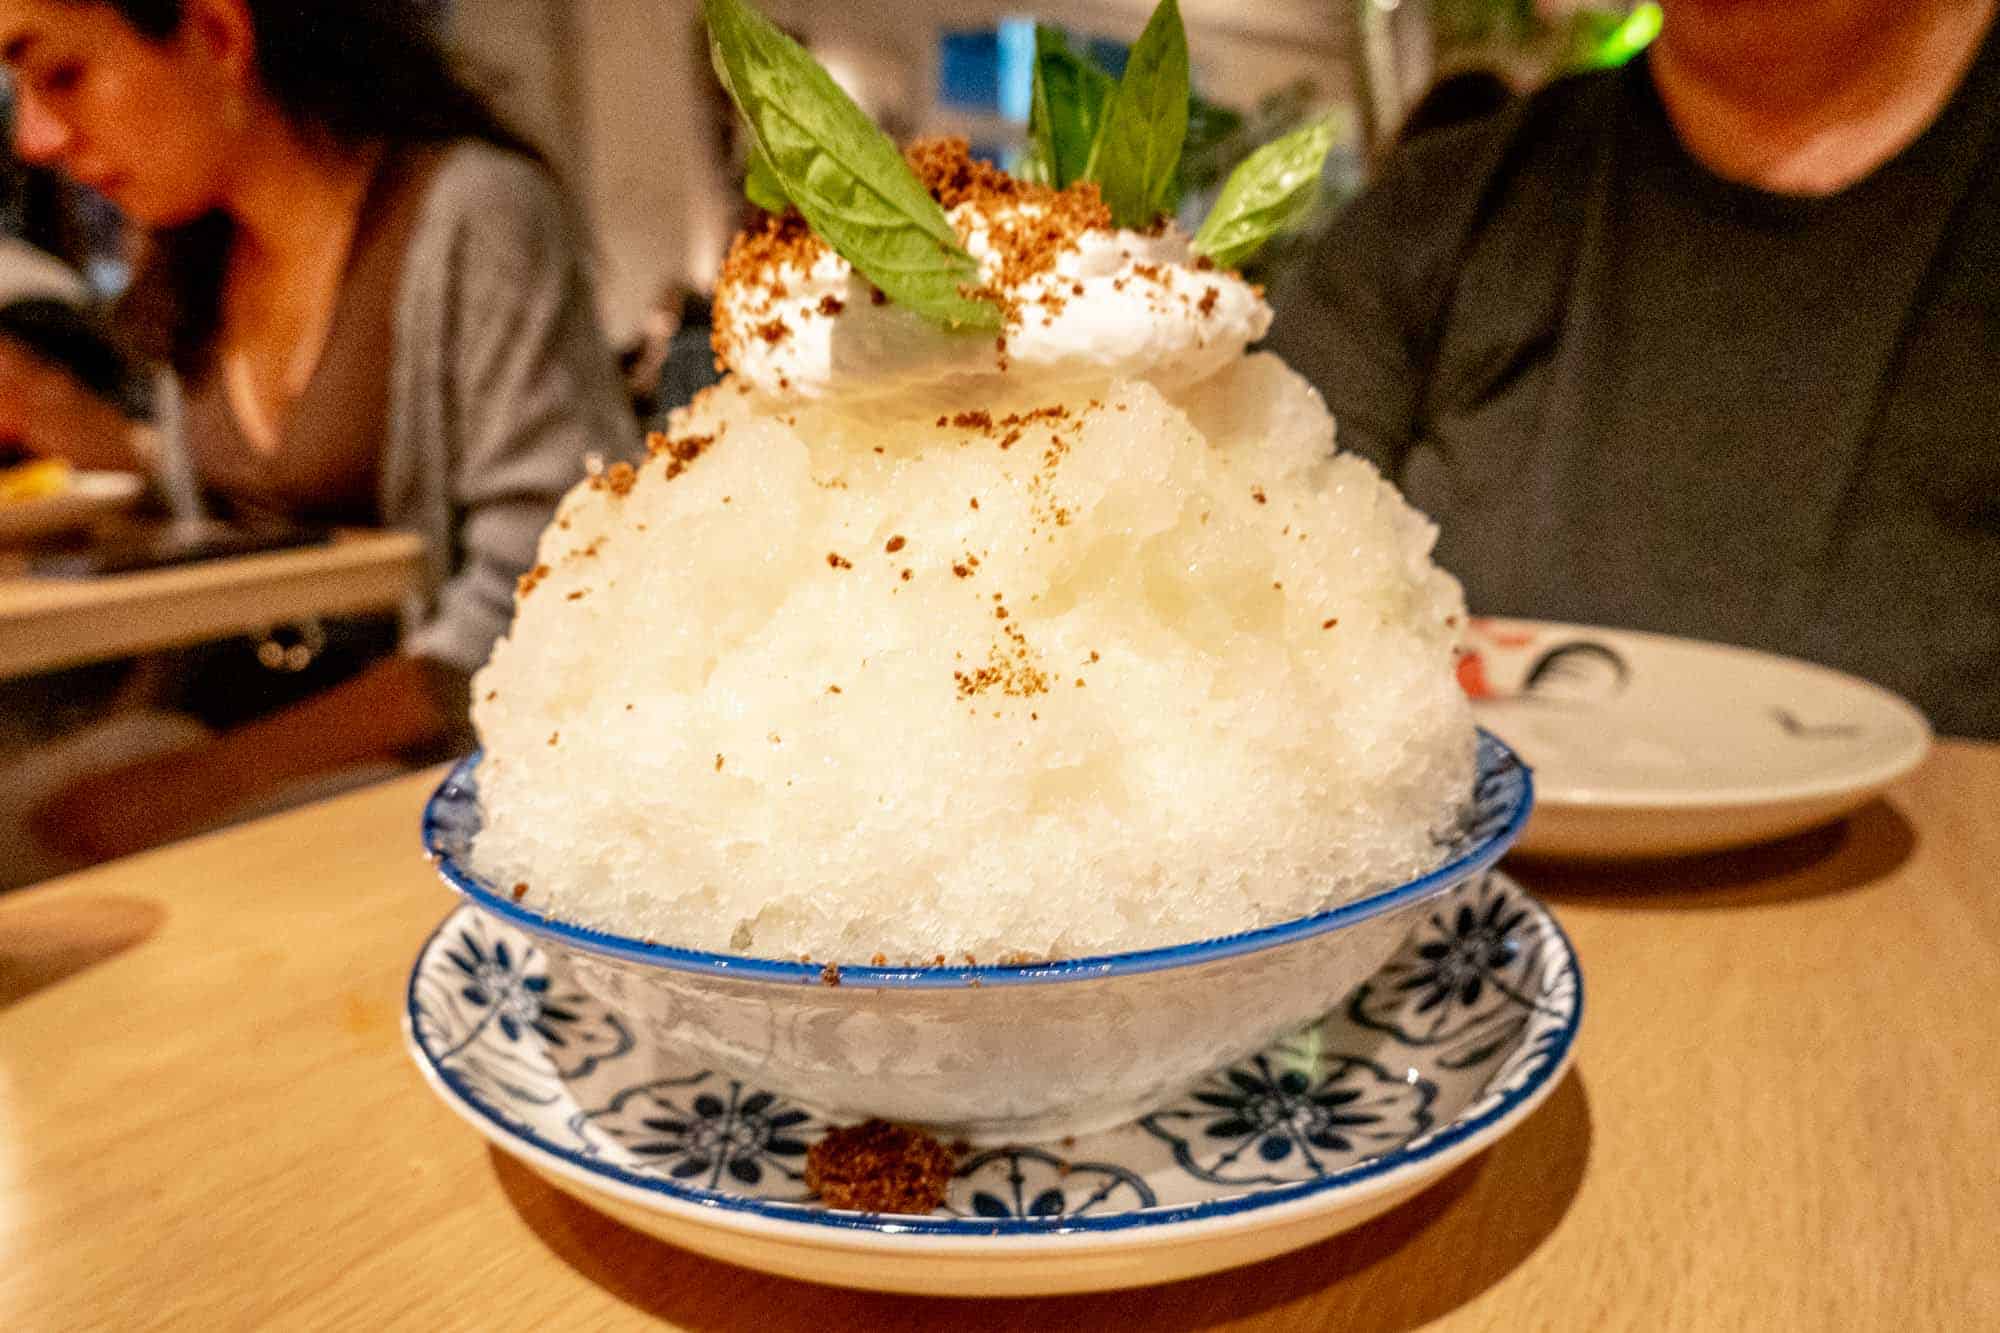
1109 667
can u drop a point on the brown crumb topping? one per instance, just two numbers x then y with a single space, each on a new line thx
1012 667
1029 225
877 1167
619 479
760 252
680 450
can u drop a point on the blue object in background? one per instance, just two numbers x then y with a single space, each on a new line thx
1107 54
969 70
993 69
1017 68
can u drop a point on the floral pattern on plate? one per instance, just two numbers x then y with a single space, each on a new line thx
1032 1182
1474 1012
1466 980
1295 1113
701 1129
486 1005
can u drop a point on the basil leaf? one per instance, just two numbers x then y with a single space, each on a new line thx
1138 145
843 174
762 186
1069 97
1032 167
1269 191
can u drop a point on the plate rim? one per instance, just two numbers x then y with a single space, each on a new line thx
1915 745
1506 765
88 493
1439 1150
87 486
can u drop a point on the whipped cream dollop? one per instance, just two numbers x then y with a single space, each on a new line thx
1083 301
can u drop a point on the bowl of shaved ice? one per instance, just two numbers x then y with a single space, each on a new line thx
996 703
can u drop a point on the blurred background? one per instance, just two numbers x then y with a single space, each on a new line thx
620 94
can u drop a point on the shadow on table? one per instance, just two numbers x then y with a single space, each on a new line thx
1411 1265
42 943
1843 857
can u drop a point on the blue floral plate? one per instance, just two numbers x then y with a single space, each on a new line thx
1456 1039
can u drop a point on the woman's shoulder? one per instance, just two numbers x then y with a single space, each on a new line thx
487 173
488 204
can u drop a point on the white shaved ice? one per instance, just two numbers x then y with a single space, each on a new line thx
1221 695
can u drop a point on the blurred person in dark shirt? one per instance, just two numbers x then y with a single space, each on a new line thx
1457 98
1707 345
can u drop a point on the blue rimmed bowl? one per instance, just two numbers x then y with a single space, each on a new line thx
1016 1053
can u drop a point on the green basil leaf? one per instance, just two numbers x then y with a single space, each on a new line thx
843 174
1068 106
1268 192
762 186
1032 167
1138 145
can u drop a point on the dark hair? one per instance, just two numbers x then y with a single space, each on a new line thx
349 73
35 203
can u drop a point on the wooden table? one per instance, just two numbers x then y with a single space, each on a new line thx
1782 1114
47 623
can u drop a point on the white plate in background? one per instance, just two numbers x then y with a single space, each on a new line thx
88 497
1649 745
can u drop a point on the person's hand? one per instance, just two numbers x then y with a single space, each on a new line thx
48 411
23 392
132 807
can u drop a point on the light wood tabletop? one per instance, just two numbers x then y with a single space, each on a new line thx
54 622
1781 1115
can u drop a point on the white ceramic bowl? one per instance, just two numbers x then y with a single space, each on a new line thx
1020 1053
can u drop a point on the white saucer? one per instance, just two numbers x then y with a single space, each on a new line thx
1647 745
88 497
1449 1046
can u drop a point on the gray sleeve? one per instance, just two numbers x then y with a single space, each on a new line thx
530 390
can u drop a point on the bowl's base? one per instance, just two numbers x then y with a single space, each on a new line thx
1019 1065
